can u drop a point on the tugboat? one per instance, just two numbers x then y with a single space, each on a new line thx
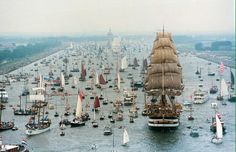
163 82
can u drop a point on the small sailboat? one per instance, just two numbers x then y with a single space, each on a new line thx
223 91
124 64
62 84
213 123
135 64
67 108
118 82
232 94
74 82
77 121
25 111
83 73
96 104
197 72
94 122
190 117
102 81
125 137
218 138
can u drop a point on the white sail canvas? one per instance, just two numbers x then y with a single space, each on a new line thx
62 80
224 88
219 130
125 137
79 107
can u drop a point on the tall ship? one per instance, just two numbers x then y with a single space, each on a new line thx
40 123
163 82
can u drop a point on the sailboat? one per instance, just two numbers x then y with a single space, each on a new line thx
223 90
232 94
67 108
74 82
43 123
62 84
162 83
107 69
97 81
213 122
144 66
96 104
118 82
135 64
4 95
4 125
124 64
77 121
197 72
83 73
190 117
218 138
25 111
102 81
94 122
125 137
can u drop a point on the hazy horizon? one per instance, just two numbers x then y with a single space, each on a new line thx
72 17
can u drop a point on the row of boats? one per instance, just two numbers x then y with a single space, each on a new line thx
162 83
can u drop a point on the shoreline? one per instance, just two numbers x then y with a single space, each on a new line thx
228 58
14 65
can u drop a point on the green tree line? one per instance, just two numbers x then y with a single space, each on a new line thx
23 51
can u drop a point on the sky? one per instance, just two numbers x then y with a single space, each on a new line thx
122 16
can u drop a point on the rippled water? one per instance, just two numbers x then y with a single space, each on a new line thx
142 139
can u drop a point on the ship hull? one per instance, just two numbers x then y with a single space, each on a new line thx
30 132
163 123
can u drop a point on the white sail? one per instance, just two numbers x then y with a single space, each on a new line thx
39 97
124 63
40 81
96 80
79 107
125 137
62 80
118 81
74 81
219 130
224 88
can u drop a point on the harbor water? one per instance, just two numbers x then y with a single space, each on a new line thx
142 139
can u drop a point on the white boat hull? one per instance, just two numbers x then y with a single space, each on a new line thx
162 123
200 101
31 132
217 140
